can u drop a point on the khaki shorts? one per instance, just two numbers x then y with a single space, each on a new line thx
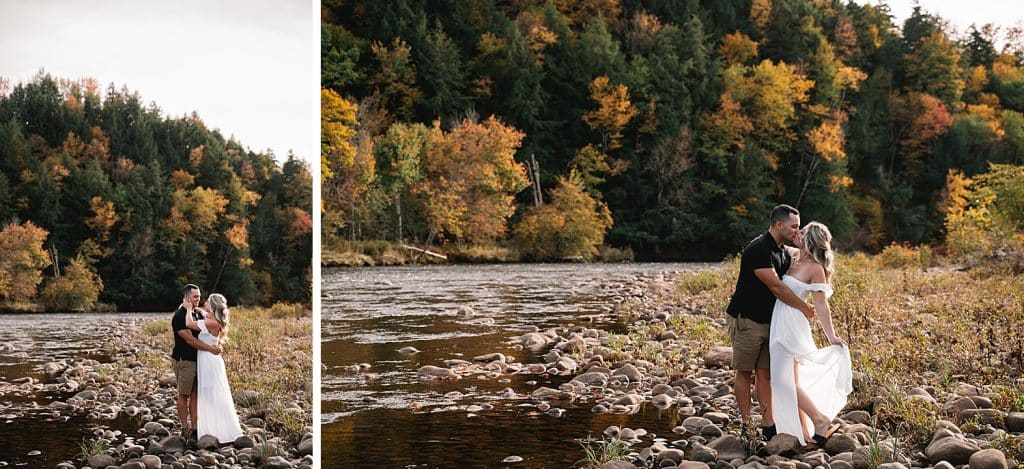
185 375
749 343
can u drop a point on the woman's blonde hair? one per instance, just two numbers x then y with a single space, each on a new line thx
818 246
219 306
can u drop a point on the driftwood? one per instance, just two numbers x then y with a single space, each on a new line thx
424 251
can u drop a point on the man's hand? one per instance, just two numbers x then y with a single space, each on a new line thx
810 313
215 349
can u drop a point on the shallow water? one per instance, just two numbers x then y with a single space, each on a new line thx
386 417
25 424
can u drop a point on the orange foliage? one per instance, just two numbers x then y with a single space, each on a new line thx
181 179
737 48
827 140
104 217
22 260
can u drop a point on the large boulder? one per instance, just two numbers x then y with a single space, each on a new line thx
783 445
729 447
954 450
988 459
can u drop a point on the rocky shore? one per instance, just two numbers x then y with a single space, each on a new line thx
675 359
138 383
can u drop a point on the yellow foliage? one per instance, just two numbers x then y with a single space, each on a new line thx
737 48
181 179
337 121
827 140
990 116
572 224
238 235
1005 68
104 217
977 78
22 260
195 156
849 77
614 110
728 125
760 14
838 182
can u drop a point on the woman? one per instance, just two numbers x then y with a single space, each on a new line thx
809 385
216 409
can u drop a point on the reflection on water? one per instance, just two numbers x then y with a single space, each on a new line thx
28 341
385 416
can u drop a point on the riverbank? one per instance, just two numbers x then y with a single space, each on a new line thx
268 357
936 352
384 253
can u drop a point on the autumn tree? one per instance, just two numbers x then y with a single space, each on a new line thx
77 289
400 155
613 113
22 260
470 179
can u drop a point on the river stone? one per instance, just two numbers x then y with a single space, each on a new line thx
490 357
718 418
958 405
548 393
671 454
661 401
255 422
172 444
512 459
862 455
465 312
618 464
692 425
892 465
86 395
533 340
856 416
629 371
431 371
711 431
718 357
840 443
988 459
729 447
992 417
155 428
276 462
208 442
691 465
783 445
954 450
305 447
840 464
101 460
407 350
943 465
132 465
151 462
982 402
703 453
662 388
1015 422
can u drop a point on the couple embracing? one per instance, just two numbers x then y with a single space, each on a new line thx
202 381
800 388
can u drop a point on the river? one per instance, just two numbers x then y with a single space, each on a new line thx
384 416
28 341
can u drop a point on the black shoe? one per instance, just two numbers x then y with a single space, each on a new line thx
768 432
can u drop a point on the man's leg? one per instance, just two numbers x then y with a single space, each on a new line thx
193 407
183 410
741 390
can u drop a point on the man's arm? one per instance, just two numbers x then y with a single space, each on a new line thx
771 280
196 343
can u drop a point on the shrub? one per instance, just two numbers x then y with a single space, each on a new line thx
573 224
899 255
78 289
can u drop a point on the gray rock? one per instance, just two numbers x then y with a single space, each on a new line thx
840 443
86 395
992 417
618 464
703 453
491 357
172 444
1015 422
533 340
783 445
151 462
954 450
958 405
435 372
988 459
155 428
729 447
101 460
305 447
692 465
408 350
512 459
132 465
694 424
277 462
672 454
718 357
891 465
856 416
840 464
208 442
628 371
718 418
943 465
548 393
711 431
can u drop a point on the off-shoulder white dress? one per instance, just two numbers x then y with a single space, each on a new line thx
824 373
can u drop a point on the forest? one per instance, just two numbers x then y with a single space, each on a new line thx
667 127
104 200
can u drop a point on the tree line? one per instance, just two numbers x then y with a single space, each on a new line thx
668 126
105 199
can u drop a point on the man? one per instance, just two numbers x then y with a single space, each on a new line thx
763 263
186 346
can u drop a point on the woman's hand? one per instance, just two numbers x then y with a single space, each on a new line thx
837 341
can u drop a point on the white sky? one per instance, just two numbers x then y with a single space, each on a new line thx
960 13
248 67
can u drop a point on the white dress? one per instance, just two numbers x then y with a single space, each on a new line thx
216 408
825 374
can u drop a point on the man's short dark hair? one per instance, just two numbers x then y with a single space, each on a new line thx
782 212
188 288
